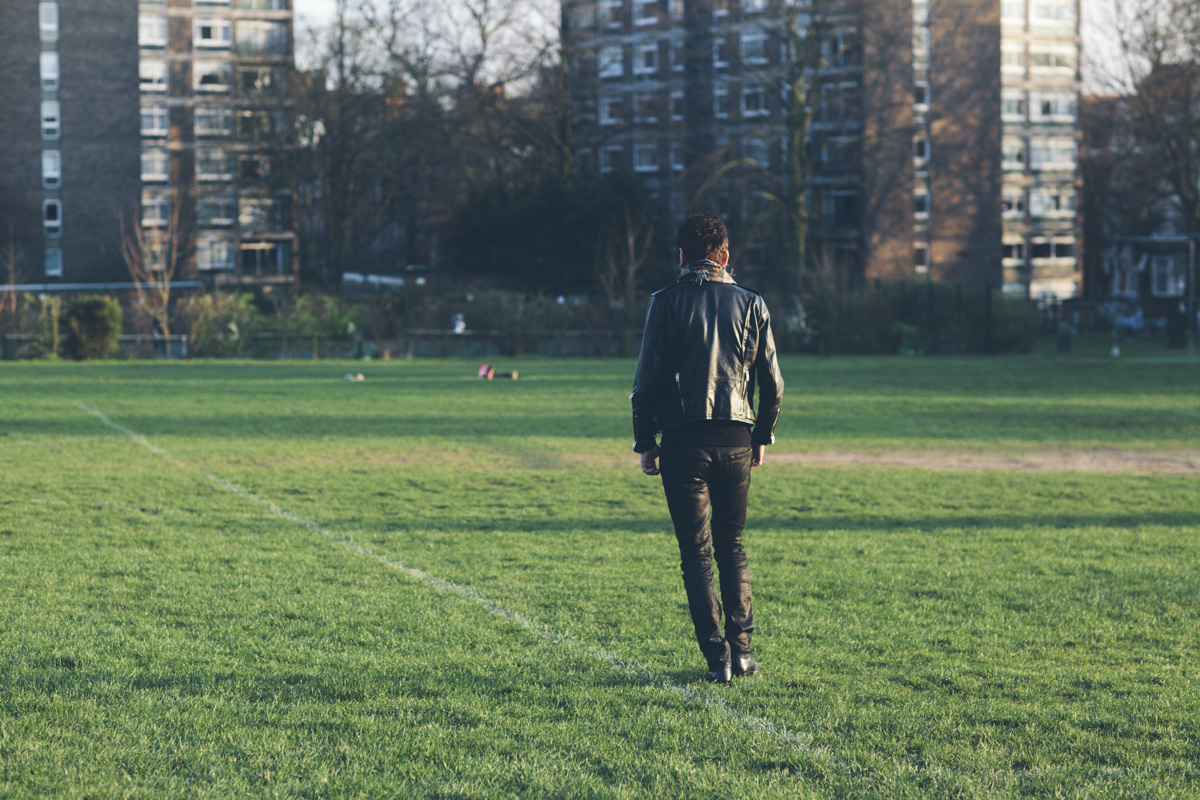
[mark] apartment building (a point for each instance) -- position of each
(156, 113)
(1040, 102)
(906, 136)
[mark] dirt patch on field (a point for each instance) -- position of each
(1051, 460)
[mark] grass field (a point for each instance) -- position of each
(425, 585)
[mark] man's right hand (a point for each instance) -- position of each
(756, 459)
(648, 461)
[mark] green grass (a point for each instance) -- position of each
(922, 633)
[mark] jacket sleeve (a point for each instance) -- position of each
(770, 381)
(648, 380)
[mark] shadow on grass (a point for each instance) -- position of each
(814, 524)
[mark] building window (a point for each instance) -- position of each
(611, 12)
(259, 5)
(49, 70)
(610, 63)
(721, 102)
(677, 55)
(261, 36)
(1012, 58)
(1014, 251)
(646, 62)
(214, 252)
(260, 79)
(48, 21)
(1012, 155)
(754, 102)
(646, 107)
(259, 126)
(645, 12)
(645, 158)
(1012, 203)
(51, 169)
(152, 30)
(1012, 12)
(53, 262)
(840, 206)
(1054, 13)
(1052, 154)
(1052, 202)
(720, 9)
(677, 106)
(678, 164)
(52, 217)
(154, 120)
(156, 210)
(217, 210)
(920, 44)
(921, 257)
(720, 52)
(1054, 107)
(675, 7)
(212, 76)
(1012, 106)
(213, 34)
(921, 204)
(920, 150)
(214, 121)
(155, 165)
(1167, 279)
(51, 126)
(612, 110)
(754, 47)
(1053, 60)
(213, 164)
(153, 73)
(610, 158)
(752, 6)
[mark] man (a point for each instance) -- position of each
(707, 344)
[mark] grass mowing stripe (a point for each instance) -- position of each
(631, 668)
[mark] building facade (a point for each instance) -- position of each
(1040, 107)
(164, 114)
(904, 116)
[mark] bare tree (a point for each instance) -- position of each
(843, 101)
(12, 258)
(624, 249)
(1157, 73)
(155, 257)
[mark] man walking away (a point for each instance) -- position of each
(706, 347)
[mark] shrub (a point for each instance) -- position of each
(219, 324)
(91, 327)
(1014, 324)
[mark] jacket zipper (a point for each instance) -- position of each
(679, 386)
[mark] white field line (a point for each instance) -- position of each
(642, 673)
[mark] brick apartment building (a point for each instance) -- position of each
(121, 110)
(911, 138)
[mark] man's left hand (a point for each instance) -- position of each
(649, 459)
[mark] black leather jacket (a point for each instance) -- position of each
(705, 347)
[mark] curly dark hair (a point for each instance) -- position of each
(702, 236)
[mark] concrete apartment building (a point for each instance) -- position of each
(151, 113)
(909, 137)
(1041, 88)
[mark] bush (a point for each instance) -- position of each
(91, 327)
(1014, 324)
(220, 324)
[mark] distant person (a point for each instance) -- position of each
(706, 346)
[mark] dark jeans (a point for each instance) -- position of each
(697, 481)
